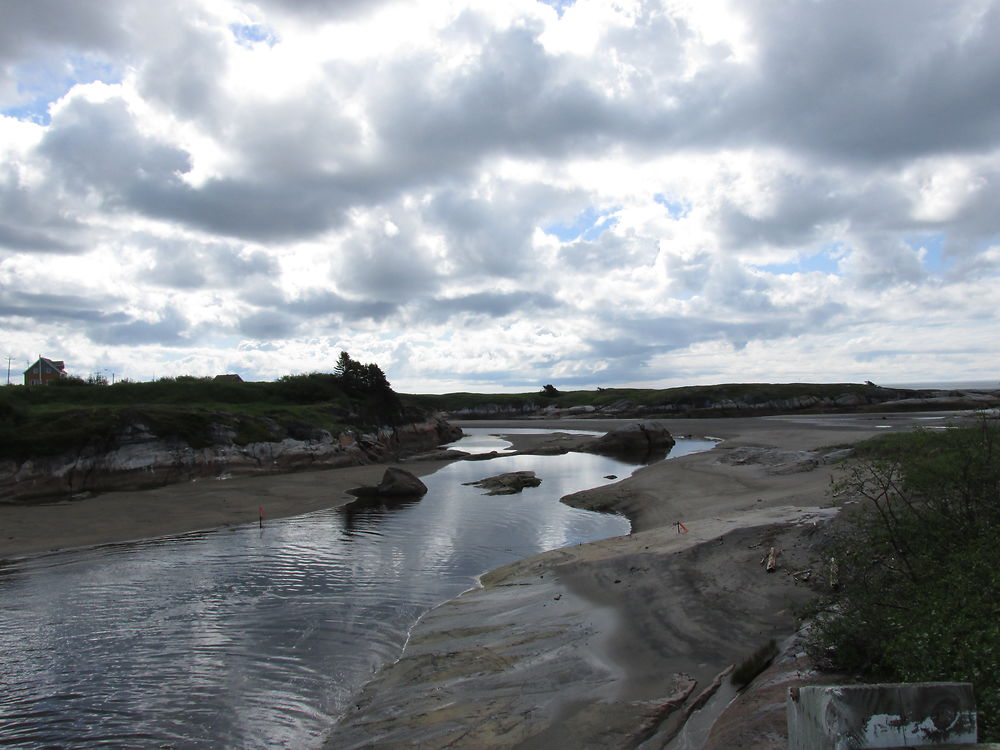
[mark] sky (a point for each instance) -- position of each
(485, 196)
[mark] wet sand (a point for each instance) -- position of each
(178, 508)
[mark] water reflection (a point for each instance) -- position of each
(258, 638)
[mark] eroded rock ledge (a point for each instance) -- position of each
(136, 458)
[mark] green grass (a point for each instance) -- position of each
(48, 420)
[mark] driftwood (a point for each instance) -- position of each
(772, 562)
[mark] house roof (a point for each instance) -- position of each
(48, 365)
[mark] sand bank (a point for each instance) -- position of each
(178, 508)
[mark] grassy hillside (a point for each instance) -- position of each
(50, 419)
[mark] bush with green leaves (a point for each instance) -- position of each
(919, 564)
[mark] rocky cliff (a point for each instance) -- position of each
(136, 458)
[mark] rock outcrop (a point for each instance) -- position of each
(396, 483)
(507, 484)
(136, 458)
(643, 441)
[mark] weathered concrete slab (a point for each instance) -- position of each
(845, 717)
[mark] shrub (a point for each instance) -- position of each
(920, 565)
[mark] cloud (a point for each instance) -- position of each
(40, 43)
(167, 330)
(503, 194)
(490, 305)
(187, 265)
(95, 146)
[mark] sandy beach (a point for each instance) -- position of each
(609, 644)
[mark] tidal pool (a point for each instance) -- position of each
(247, 637)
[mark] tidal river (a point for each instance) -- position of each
(246, 637)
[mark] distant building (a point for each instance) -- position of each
(229, 378)
(44, 371)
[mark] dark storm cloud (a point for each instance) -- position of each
(322, 10)
(31, 29)
(861, 80)
(183, 72)
(57, 308)
(30, 240)
(30, 223)
(637, 339)
(489, 236)
(489, 304)
(510, 99)
(386, 268)
(96, 316)
(167, 331)
(268, 325)
(183, 265)
(96, 146)
(325, 304)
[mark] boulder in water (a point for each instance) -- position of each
(507, 484)
(645, 440)
(395, 483)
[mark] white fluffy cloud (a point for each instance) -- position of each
(485, 195)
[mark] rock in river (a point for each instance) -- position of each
(395, 483)
(645, 440)
(507, 484)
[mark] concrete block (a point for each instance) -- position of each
(849, 717)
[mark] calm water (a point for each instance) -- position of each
(258, 638)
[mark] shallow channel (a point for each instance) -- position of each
(246, 637)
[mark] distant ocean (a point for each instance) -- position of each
(987, 385)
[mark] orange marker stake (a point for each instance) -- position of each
(262, 518)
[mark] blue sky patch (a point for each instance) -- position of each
(933, 260)
(588, 225)
(39, 85)
(559, 5)
(247, 35)
(676, 209)
(824, 261)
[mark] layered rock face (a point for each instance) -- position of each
(137, 458)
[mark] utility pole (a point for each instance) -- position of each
(9, 358)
